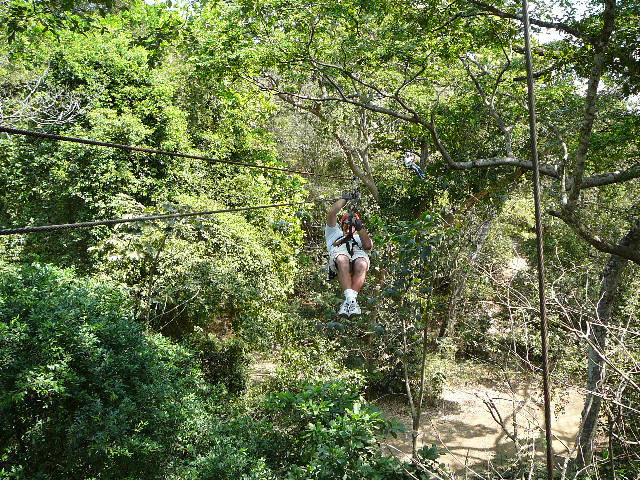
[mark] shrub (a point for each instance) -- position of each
(318, 361)
(326, 431)
(196, 272)
(84, 391)
(229, 454)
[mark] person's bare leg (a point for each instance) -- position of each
(343, 265)
(360, 267)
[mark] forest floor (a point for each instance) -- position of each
(469, 436)
(462, 426)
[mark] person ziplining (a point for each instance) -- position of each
(347, 245)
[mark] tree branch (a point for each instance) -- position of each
(345, 99)
(371, 86)
(612, 177)
(590, 104)
(409, 80)
(489, 103)
(541, 23)
(623, 249)
(548, 170)
(541, 73)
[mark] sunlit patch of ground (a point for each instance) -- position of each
(463, 427)
(261, 370)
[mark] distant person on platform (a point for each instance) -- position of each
(348, 245)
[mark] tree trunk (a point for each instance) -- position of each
(597, 343)
(459, 279)
(424, 153)
(418, 410)
(407, 384)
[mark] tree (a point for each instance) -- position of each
(353, 131)
(402, 77)
(424, 64)
(143, 83)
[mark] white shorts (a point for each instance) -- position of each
(342, 250)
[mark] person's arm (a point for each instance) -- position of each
(365, 239)
(367, 243)
(332, 213)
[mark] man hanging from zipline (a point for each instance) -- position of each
(348, 258)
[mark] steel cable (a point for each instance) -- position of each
(544, 330)
(51, 136)
(113, 221)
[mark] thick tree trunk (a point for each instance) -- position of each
(597, 343)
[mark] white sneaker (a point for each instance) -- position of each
(344, 309)
(353, 307)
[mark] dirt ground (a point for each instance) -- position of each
(469, 436)
(463, 428)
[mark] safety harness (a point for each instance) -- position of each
(349, 219)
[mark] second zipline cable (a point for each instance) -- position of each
(130, 148)
(169, 216)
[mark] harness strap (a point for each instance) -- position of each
(349, 240)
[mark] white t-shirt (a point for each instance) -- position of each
(331, 234)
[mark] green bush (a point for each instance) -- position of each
(84, 391)
(317, 362)
(229, 455)
(223, 360)
(325, 430)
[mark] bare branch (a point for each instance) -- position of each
(347, 99)
(612, 177)
(541, 73)
(625, 249)
(548, 170)
(564, 27)
(503, 70)
(371, 86)
(409, 80)
(497, 417)
(489, 103)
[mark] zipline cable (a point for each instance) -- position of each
(544, 331)
(113, 221)
(51, 136)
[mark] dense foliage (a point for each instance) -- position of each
(84, 390)
(126, 352)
